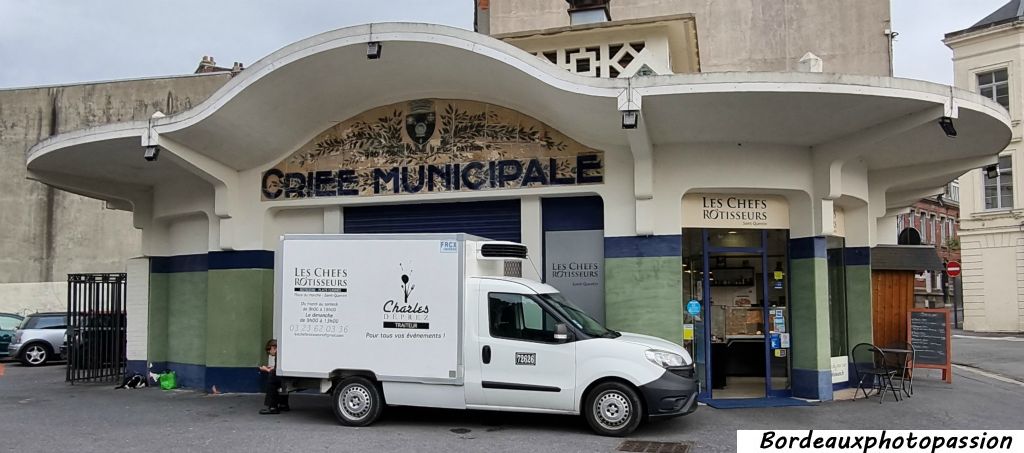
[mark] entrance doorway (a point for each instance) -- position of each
(740, 336)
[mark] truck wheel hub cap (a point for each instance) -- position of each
(612, 409)
(355, 401)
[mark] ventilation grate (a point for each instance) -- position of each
(503, 251)
(514, 269)
(649, 446)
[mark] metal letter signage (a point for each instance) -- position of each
(432, 145)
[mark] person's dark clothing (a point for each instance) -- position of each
(274, 398)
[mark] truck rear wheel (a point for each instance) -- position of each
(357, 401)
(613, 409)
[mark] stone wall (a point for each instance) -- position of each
(744, 35)
(48, 233)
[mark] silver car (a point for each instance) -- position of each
(39, 338)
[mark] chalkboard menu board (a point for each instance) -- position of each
(930, 335)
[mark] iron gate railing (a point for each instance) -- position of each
(97, 327)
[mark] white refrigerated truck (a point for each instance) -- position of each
(430, 320)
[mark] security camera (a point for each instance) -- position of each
(152, 152)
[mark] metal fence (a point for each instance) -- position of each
(97, 327)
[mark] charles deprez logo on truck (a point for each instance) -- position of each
(406, 315)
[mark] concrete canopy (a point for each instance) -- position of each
(283, 100)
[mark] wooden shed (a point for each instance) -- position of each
(892, 287)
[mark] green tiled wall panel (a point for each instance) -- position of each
(186, 317)
(157, 329)
(809, 310)
(858, 305)
(644, 295)
(235, 316)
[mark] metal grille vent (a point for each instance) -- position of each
(513, 268)
(660, 447)
(503, 251)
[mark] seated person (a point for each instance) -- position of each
(275, 402)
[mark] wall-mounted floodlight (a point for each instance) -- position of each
(630, 118)
(373, 50)
(992, 171)
(947, 126)
(152, 152)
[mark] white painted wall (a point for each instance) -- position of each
(678, 169)
(294, 221)
(187, 234)
(753, 169)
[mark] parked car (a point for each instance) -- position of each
(39, 338)
(96, 340)
(9, 323)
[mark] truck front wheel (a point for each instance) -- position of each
(357, 401)
(613, 409)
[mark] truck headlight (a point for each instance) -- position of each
(663, 359)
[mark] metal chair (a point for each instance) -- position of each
(904, 368)
(872, 368)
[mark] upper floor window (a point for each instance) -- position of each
(995, 85)
(999, 190)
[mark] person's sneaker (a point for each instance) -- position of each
(269, 411)
(284, 408)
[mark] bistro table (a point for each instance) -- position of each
(907, 353)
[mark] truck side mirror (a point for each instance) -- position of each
(561, 333)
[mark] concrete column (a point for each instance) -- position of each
(531, 235)
(859, 322)
(137, 306)
(809, 310)
(334, 219)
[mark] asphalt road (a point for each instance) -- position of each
(41, 412)
(999, 354)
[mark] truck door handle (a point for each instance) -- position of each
(486, 354)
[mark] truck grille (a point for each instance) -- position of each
(683, 371)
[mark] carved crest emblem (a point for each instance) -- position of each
(419, 123)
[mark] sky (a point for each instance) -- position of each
(46, 42)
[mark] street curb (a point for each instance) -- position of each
(990, 374)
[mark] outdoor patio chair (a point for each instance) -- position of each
(903, 363)
(872, 371)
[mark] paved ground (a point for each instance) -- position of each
(996, 353)
(41, 412)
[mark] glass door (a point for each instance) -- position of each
(745, 311)
(735, 290)
(694, 336)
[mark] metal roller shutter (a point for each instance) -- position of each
(498, 220)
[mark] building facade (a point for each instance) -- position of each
(987, 60)
(731, 212)
(934, 221)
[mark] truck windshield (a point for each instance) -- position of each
(576, 316)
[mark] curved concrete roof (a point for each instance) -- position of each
(283, 100)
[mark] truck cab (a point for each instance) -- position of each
(535, 351)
